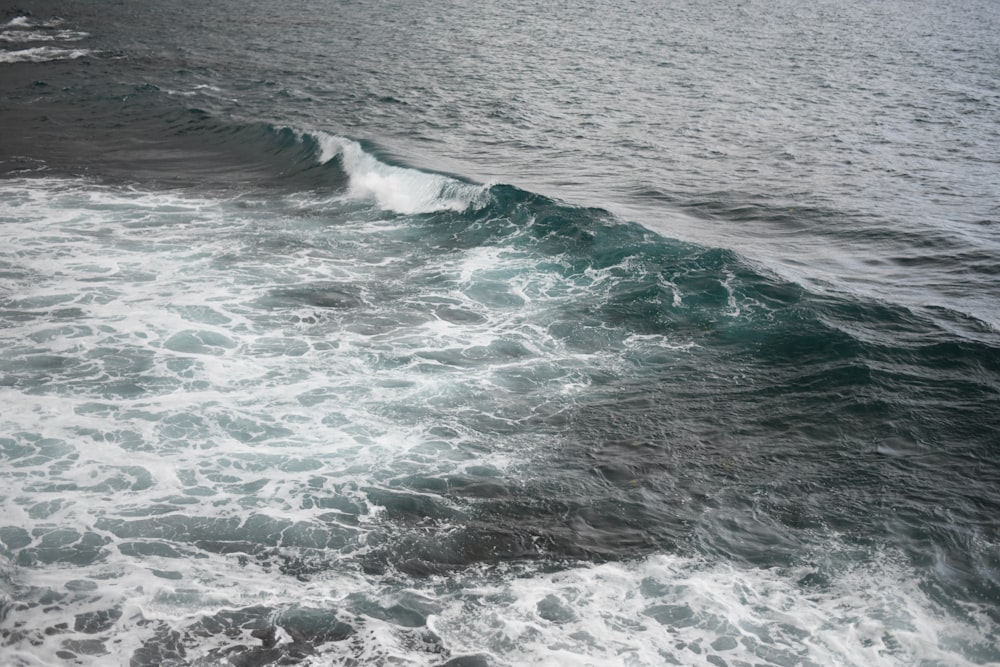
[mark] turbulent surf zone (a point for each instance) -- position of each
(328, 341)
(364, 413)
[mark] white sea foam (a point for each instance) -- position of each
(21, 36)
(398, 189)
(19, 31)
(18, 22)
(676, 610)
(41, 54)
(180, 373)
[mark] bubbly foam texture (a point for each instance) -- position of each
(398, 189)
(201, 388)
(674, 610)
(212, 406)
(20, 36)
(41, 54)
(18, 31)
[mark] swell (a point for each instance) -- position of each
(729, 381)
(778, 374)
(650, 285)
(192, 148)
(943, 268)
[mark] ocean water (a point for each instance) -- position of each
(630, 332)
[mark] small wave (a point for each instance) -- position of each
(21, 36)
(200, 90)
(398, 189)
(25, 23)
(41, 54)
(18, 22)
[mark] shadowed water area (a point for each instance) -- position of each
(620, 333)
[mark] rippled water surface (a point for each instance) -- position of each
(618, 333)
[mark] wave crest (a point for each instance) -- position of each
(398, 189)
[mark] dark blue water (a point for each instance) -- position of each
(626, 333)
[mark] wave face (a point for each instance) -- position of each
(315, 351)
(397, 189)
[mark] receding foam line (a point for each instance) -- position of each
(398, 189)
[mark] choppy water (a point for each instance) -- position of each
(632, 333)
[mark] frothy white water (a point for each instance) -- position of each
(21, 36)
(675, 610)
(18, 36)
(19, 31)
(41, 54)
(187, 379)
(398, 189)
(201, 377)
(18, 22)
(656, 611)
